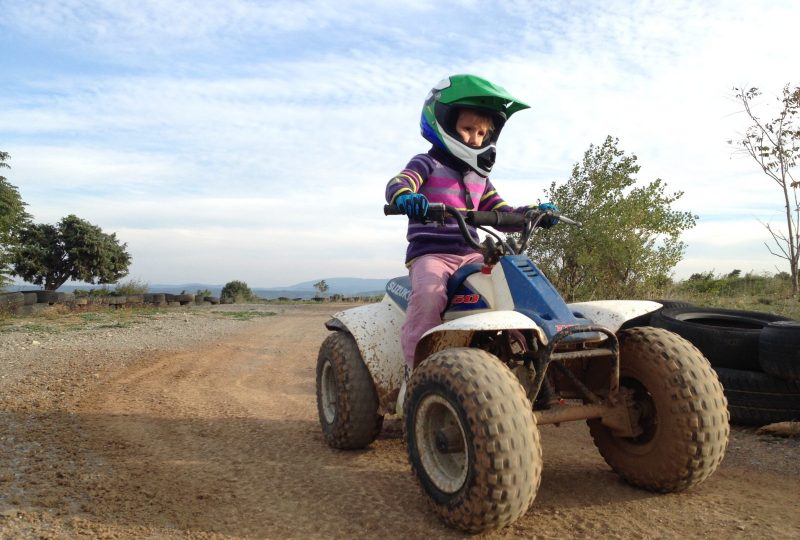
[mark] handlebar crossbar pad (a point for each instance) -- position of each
(496, 219)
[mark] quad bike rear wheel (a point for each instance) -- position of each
(346, 399)
(680, 410)
(472, 439)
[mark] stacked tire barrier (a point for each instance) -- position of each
(32, 302)
(756, 356)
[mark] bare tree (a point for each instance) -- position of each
(774, 145)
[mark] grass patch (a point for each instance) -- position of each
(33, 328)
(118, 324)
(244, 315)
(60, 322)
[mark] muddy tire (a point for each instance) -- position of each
(346, 399)
(472, 439)
(682, 413)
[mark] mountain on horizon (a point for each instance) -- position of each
(338, 285)
(346, 286)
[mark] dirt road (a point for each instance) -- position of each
(222, 441)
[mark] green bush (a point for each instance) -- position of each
(134, 286)
(753, 292)
(237, 291)
(102, 291)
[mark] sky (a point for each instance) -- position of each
(252, 140)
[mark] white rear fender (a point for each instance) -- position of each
(459, 332)
(376, 329)
(613, 313)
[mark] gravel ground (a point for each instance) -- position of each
(78, 347)
(202, 423)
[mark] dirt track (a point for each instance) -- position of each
(222, 441)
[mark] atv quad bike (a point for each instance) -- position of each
(510, 355)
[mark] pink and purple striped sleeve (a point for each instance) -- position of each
(410, 179)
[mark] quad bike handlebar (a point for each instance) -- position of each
(437, 212)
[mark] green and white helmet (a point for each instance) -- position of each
(443, 105)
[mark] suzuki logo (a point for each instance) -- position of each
(399, 290)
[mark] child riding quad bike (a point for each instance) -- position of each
(511, 355)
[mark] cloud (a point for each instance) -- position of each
(206, 126)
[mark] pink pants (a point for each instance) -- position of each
(429, 275)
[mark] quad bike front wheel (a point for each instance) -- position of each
(679, 409)
(346, 399)
(472, 439)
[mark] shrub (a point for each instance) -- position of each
(133, 286)
(237, 291)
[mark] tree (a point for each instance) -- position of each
(774, 146)
(74, 249)
(630, 237)
(321, 286)
(237, 291)
(12, 217)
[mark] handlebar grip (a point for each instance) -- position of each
(436, 212)
(496, 219)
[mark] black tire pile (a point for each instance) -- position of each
(756, 356)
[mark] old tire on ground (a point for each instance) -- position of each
(669, 304)
(472, 439)
(46, 297)
(682, 413)
(346, 399)
(755, 398)
(779, 349)
(727, 337)
(644, 320)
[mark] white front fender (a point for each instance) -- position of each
(459, 332)
(613, 313)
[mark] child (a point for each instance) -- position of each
(462, 117)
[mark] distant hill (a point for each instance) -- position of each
(342, 285)
(346, 286)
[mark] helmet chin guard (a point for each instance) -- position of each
(445, 102)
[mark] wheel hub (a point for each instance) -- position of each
(328, 393)
(442, 443)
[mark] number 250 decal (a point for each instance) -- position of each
(466, 298)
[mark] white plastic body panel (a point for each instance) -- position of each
(459, 332)
(613, 313)
(493, 289)
(376, 329)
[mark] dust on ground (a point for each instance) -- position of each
(216, 436)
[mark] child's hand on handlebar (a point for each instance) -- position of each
(548, 220)
(414, 205)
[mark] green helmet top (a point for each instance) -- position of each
(443, 105)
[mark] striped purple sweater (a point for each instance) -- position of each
(439, 178)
